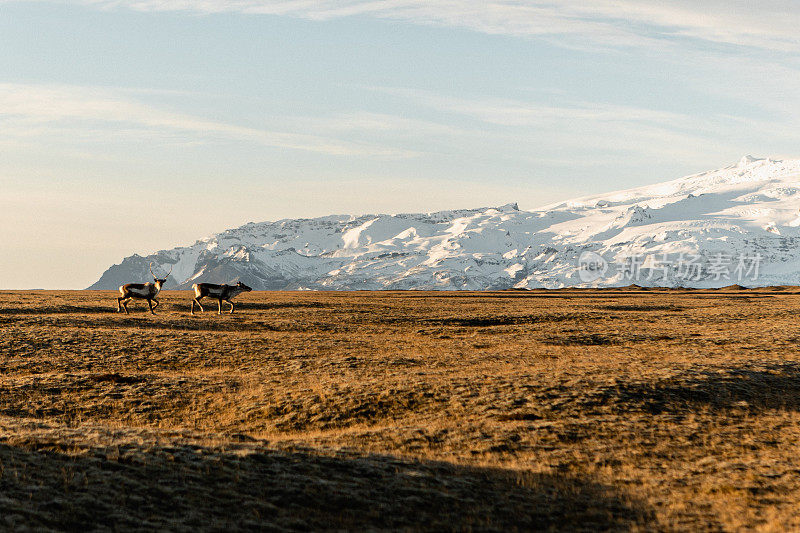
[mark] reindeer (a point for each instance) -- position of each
(220, 292)
(143, 291)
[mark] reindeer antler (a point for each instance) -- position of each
(156, 277)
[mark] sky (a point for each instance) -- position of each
(133, 126)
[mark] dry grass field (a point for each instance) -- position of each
(564, 410)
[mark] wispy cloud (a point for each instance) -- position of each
(453, 126)
(35, 111)
(583, 128)
(768, 24)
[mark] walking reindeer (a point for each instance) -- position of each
(142, 291)
(220, 292)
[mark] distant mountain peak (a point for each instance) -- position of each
(509, 207)
(749, 160)
(748, 210)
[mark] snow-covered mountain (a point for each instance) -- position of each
(739, 224)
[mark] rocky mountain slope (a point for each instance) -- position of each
(736, 225)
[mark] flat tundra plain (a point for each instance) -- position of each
(565, 410)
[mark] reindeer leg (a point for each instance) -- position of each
(119, 307)
(150, 303)
(230, 302)
(125, 304)
(219, 307)
(198, 303)
(157, 303)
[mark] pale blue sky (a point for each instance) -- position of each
(130, 126)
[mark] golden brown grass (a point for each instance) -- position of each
(565, 410)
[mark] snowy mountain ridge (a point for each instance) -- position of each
(739, 224)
